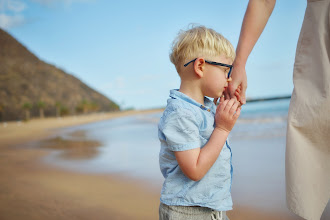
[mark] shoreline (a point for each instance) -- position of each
(13, 133)
(34, 190)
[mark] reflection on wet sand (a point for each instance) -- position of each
(31, 190)
(74, 146)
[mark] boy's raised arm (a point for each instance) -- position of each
(196, 163)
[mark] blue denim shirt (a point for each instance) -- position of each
(184, 125)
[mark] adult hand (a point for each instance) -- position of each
(238, 79)
(226, 96)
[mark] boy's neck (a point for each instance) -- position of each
(193, 91)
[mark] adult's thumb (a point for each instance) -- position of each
(232, 89)
(243, 94)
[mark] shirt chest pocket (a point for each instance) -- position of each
(205, 132)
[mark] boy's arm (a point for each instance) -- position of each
(196, 163)
(254, 22)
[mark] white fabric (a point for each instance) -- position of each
(308, 135)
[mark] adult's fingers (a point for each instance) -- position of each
(232, 86)
(239, 89)
(244, 87)
(237, 95)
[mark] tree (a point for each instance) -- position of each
(85, 105)
(58, 108)
(114, 107)
(94, 107)
(41, 105)
(27, 107)
(64, 110)
(2, 109)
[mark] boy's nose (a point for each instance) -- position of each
(229, 79)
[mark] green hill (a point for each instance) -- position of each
(27, 83)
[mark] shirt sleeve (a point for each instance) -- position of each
(181, 131)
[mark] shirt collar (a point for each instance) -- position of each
(176, 94)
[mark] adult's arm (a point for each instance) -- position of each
(254, 22)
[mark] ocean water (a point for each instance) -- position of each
(130, 147)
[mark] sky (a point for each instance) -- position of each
(121, 48)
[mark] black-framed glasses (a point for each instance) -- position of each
(214, 63)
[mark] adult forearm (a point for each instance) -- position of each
(254, 22)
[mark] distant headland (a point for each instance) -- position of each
(30, 87)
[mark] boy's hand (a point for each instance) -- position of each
(227, 113)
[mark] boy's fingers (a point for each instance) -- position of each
(215, 100)
(225, 92)
(234, 107)
(229, 104)
(227, 96)
(222, 99)
(223, 104)
(238, 112)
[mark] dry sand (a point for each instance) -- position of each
(29, 189)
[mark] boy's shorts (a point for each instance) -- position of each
(189, 213)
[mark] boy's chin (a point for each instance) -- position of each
(219, 95)
(216, 95)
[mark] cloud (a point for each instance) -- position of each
(10, 21)
(52, 3)
(12, 6)
(15, 6)
(11, 13)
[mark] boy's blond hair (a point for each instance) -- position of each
(199, 41)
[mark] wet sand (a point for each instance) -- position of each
(30, 189)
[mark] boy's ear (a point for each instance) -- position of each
(199, 66)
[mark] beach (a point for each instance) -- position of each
(44, 173)
(32, 190)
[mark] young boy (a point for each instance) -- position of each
(195, 157)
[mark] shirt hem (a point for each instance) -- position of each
(223, 209)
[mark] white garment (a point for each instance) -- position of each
(308, 135)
